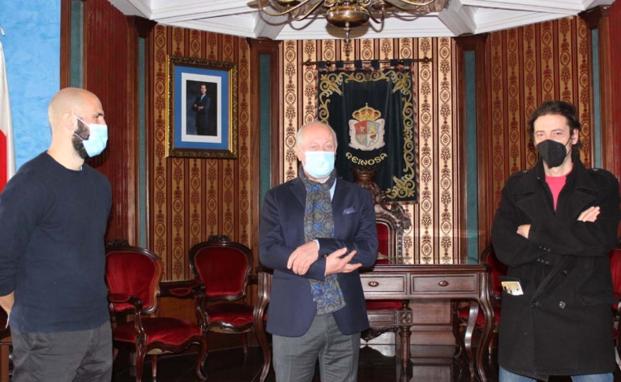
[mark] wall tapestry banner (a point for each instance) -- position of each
(372, 113)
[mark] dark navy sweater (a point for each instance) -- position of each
(52, 226)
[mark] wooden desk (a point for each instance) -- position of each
(409, 282)
(432, 282)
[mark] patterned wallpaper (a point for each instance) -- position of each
(528, 65)
(431, 240)
(191, 199)
(524, 66)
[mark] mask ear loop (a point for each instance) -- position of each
(570, 150)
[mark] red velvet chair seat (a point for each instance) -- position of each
(230, 314)
(384, 304)
(165, 330)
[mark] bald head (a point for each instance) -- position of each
(71, 101)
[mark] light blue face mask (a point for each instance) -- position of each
(97, 140)
(319, 164)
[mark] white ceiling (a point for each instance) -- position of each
(234, 17)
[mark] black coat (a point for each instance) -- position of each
(562, 325)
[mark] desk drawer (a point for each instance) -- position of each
(383, 284)
(448, 283)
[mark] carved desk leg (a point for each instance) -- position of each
(404, 321)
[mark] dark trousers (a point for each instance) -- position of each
(295, 357)
(75, 356)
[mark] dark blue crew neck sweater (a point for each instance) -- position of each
(52, 226)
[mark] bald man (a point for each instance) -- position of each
(53, 217)
(316, 232)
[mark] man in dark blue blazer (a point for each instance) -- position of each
(202, 107)
(316, 231)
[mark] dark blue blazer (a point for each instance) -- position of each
(292, 309)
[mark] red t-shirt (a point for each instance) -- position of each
(556, 184)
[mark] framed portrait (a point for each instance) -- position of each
(202, 117)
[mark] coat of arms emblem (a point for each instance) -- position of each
(366, 130)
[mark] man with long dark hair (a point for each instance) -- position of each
(554, 229)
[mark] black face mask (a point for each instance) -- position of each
(552, 152)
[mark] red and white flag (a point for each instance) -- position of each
(7, 154)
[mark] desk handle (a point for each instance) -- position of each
(373, 283)
(443, 283)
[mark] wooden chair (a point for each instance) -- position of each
(391, 222)
(223, 268)
(496, 270)
(133, 276)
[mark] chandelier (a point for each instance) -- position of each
(345, 14)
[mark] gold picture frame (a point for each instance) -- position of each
(202, 112)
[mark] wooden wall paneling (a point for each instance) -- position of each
(65, 43)
(486, 209)
(609, 24)
(109, 65)
(461, 170)
(607, 21)
(258, 48)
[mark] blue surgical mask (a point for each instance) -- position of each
(318, 164)
(97, 139)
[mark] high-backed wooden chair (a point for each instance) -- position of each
(133, 276)
(391, 222)
(224, 268)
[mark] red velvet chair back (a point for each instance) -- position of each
(133, 271)
(384, 240)
(615, 270)
(390, 223)
(222, 266)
